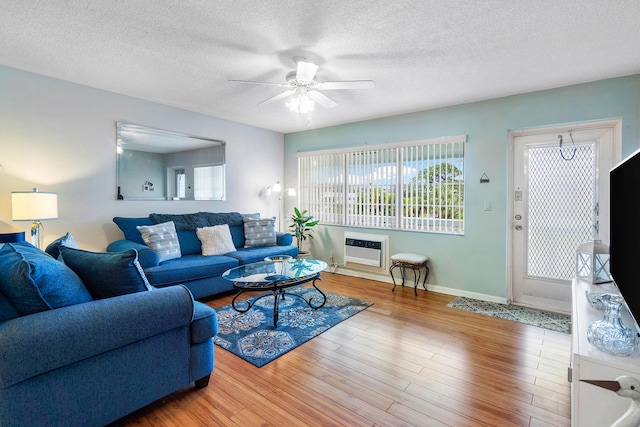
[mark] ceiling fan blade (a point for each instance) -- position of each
(322, 99)
(278, 97)
(306, 71)
(349, 84)
(260, 83)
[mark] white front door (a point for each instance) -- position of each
(559, 199)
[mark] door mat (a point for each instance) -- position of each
(251, 335)
(542, 319)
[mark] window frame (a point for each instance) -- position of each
(329, 197)
(210, 185)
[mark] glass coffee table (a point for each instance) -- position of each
(275, 275)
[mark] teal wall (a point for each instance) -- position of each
(477, 261)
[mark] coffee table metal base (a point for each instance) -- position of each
(278, 290)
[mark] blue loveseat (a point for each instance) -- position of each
(201, 274)
(68, 359)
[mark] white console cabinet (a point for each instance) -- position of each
(591, 405)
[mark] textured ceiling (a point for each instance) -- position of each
(421, 54)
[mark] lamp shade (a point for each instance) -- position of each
(34, 205)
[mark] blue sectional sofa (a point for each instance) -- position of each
(68, 358)
(201, 274)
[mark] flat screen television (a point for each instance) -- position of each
(624, 247)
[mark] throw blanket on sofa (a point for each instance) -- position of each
(189, 222)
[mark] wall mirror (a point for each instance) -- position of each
(155, 164)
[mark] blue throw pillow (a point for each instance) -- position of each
(54, 247)
(128, 226)
(107, 274)
(33, 281)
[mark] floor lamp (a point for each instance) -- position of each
(291, 192)
(277, 188)
(34, 206)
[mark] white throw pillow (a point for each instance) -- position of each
(216, 240)
(162, 238)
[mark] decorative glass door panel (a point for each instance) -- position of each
(562, 209)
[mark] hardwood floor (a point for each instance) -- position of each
(405, 361)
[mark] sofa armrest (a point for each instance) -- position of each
(283, 239)
(147, 257)
(205, 323)
(41, 342)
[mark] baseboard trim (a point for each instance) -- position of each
(435, 288)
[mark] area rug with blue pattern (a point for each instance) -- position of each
(251, 335)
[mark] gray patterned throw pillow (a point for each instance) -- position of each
(162, 238)
(259, 232)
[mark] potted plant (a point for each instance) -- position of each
(301, 227)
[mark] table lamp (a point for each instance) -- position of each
(34, 206)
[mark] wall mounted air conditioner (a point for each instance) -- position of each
(365, 249)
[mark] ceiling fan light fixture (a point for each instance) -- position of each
(301, 103)
(305, 90)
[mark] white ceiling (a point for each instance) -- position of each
(422, 54)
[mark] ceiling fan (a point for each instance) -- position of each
(302, 84)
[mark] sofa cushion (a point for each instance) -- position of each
(189, 242)
(33, 281)
(216, 240)
(259, 232)
(53, 248)
(162, 238)
(189, 267)
(129, 227)
(107, 274)
(237, 235)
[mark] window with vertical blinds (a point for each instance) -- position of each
(208, 182)
(416, 185)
